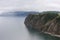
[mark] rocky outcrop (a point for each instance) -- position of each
(46, 22)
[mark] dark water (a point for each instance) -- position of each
(13, 28)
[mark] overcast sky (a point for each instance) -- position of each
(29, 5)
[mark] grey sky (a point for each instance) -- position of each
(29, 5)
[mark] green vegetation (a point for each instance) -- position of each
(45, 16)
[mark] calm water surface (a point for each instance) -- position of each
(13, 28)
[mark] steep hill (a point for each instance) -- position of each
(47, 22)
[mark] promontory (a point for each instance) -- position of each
(47, 22)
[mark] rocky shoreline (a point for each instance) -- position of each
(46, 22)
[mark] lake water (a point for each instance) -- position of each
(13, 28)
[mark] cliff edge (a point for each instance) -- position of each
(46, 22)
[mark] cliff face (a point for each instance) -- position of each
(46, 22)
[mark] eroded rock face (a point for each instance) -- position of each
(47, 22)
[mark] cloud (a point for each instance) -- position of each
(33, 5)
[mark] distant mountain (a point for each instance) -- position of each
(18, 13)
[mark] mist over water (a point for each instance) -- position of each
(13, 28)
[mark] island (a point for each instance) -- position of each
(47, 22)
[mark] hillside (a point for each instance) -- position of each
(47, 22)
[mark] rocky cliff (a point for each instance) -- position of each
(46, 22)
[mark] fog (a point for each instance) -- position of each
(29, 5)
